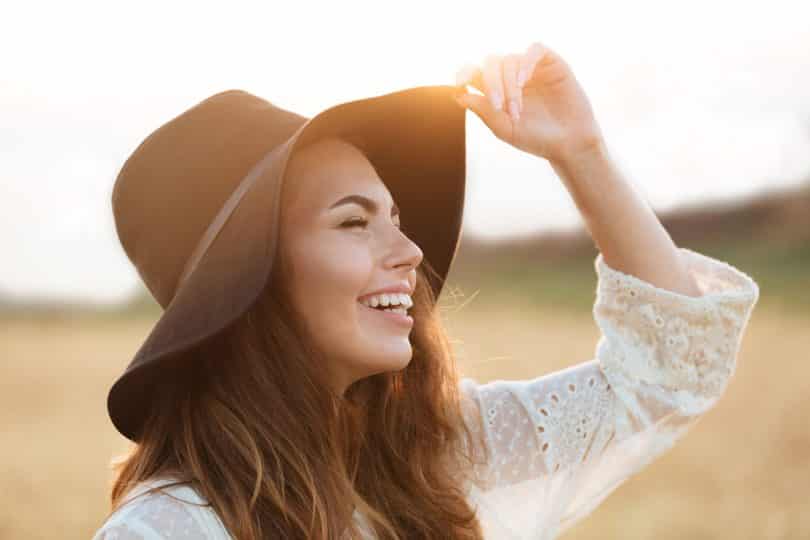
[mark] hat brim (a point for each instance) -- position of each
(416, 141)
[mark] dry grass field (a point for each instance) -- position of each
(742, 472)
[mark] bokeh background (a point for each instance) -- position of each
(706, 110)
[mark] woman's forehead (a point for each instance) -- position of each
(328, 170)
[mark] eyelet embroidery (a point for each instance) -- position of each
(676, 352)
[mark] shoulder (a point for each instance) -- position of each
(173, 511)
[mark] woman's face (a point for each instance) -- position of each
(340, 243)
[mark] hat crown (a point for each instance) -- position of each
(176, 181)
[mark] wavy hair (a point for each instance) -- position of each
(257, 431)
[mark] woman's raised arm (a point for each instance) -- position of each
(560, 443)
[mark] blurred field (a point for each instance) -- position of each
(742, 472)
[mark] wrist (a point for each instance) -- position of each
(586, 149)
(590, 176)
(587, 155)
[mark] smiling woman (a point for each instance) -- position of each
(314, 414)
(274, 399)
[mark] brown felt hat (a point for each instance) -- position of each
(196, 208)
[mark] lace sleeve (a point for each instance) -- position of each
(560, 443)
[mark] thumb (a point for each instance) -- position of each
(483, 108)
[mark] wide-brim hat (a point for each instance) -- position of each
(196, 208)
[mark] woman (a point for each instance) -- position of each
(290, 400)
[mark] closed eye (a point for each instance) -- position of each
(355, 222)
(359, 222)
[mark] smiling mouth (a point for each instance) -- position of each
(396, 314)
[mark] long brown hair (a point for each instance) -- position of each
(256, 430)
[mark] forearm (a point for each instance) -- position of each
(624, 227)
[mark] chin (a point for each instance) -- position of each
(391, 363)
(402, 364)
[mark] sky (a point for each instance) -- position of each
(699, 101)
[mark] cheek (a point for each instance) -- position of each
(328, 278)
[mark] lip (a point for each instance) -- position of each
(405, 321)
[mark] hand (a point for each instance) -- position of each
(533, 102)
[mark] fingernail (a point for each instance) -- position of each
(513, 109)
(496, 101)
(521, 77)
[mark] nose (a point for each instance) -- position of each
(404, 253)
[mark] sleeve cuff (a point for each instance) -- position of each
(678, 350)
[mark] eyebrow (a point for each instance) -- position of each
(365, 202)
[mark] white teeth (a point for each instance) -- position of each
(401, 300)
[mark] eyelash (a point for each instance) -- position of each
(355, 222)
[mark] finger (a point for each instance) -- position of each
(493, 81)
(482, 107)
(513, 91)
(523, 66)
(471, 75)
(535, 53)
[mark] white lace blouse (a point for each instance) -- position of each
(562, 442)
